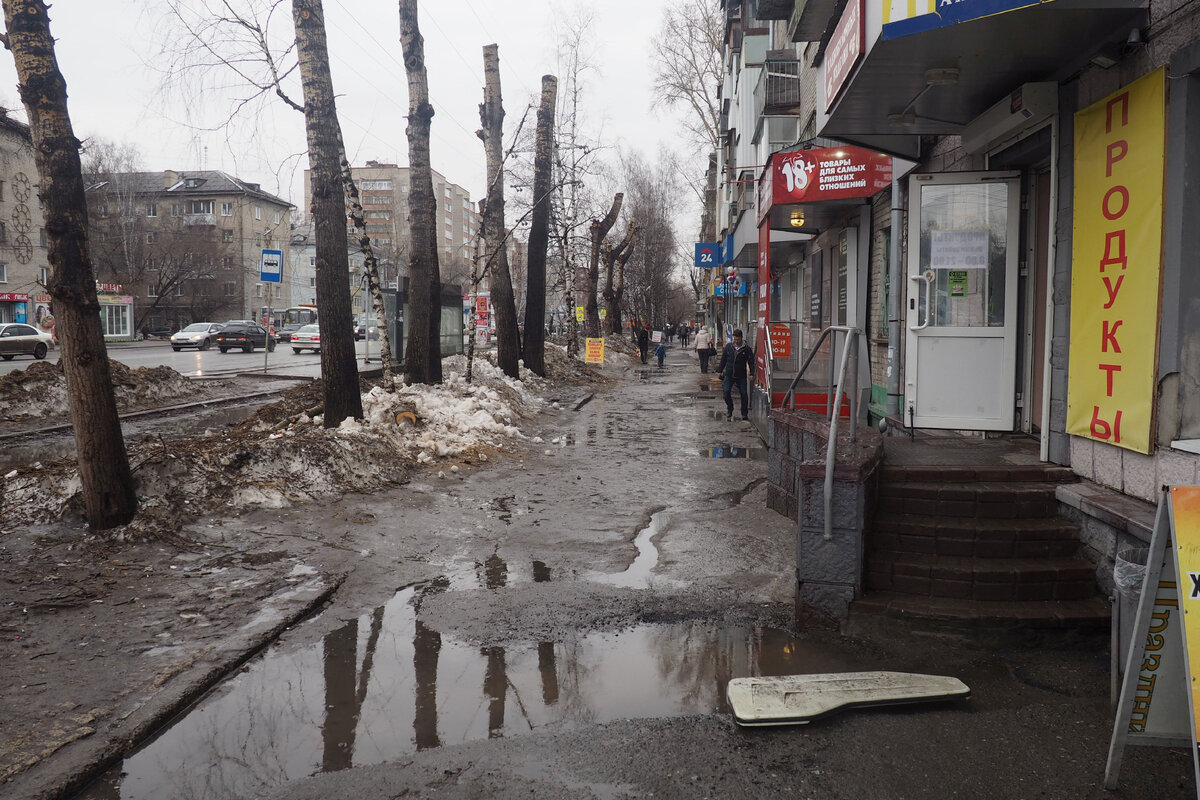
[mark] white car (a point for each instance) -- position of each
(199, 335)
(17, 338)
(307, 338)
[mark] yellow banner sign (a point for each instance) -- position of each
(1185, 512)
(594, 351)
(1116, 265)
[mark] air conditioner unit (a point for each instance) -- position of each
(1024, 108)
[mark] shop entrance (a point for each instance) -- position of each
(961, 312)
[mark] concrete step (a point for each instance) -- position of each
(958, 473)
(1093, 613)
(962, 578)
(981, 537)
(994, 499)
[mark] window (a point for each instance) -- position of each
(44, 276)
(226, 209)
(150, 237)
(227, 235)
(312, 261)
(202, 207)
(42, 237)
(152, 290)
(115, 320)
(449, 234)
(376, 186)
(312, 283)
(258, 290)
(230, 288)
(3, 273)
(278, 217)
(447, 206)
(176, 209)
(179, 290)
(258, 212)
(3, 232)
(1, 190)
(227, 262)
(447, 191)
(151, 209)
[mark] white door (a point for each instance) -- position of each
(961, 312)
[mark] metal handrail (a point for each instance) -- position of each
(833, 404)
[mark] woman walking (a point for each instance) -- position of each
(703, 347)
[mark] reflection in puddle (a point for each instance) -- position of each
(727, 451)
(386, 685)
(639, 573)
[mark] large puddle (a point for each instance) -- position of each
(385, 685)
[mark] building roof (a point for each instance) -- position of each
(193, 183)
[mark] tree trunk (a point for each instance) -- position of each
(599, 229)
(534, 342)
(107, 482)
(423, 355)
(495, 237)
(371, 266)
(339, 372)
(615, 260)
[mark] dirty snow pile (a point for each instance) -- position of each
(40, 390)
(263, 464)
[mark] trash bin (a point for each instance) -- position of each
(1129, 571)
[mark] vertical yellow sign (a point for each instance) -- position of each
(1117, 264)
(1185, 514)
(594, 351)
(579, 313)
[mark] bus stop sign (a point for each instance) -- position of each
(271, 266)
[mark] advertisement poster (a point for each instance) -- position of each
(1117, 265)
(594, 351)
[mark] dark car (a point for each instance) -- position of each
(244, 335)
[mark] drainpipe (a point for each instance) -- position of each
(895, 283)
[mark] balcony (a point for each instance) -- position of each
(778, 90)
(199, 219)
(810, 18)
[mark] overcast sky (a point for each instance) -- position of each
(109, 51)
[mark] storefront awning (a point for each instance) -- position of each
(933, 73)
(809, 189)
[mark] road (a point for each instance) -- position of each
(197, 363)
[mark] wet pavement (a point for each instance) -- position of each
(562, 620)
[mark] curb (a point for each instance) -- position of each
(78, 763)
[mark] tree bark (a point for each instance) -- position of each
(495, 236)
(534, 342)
(339, 372)
(613, 289)
(107, 481)
(371, 266)
(423, 355)
(598, 230)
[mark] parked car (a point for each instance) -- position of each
(285, 332)
(244, 335)
(199, 335)
(159, 332)
(366, 325)
(19, 339)
(308, 337)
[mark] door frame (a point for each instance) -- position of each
(1006, 419)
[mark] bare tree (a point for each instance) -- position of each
(107, 482)
(423, 357)
(534, 343)
(597, 231)
(491, 118)
(687, 67)
(615, 259)
(371, 268)
(651, 272)
(339, 373)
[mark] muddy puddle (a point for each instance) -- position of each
(385, 685)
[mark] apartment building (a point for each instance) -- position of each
(184, 246)
(24, 270)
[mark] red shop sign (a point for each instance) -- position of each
(829, 173)
(13, 297)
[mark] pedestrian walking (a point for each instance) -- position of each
(702, 344)
(683, 335)
(734, 370)
(660, 353)
(643, 341)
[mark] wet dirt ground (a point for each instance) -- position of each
(559, 621)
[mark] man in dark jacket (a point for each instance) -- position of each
(737, 361)
(643, 341)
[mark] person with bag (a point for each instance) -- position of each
(703, 347)
(735, 369)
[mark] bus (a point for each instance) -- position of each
(288, 320)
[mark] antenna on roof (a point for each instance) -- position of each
(204, 157)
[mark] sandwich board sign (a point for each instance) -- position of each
(1160, 693)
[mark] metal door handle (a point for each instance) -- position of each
(928, 279)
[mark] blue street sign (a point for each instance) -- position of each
(270, 268)
(707, 254)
